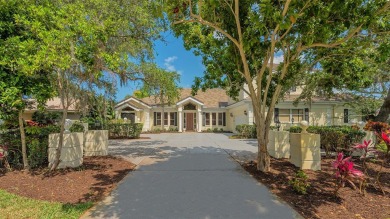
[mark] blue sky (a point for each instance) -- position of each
(171, 55)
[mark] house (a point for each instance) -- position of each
(52, 105)
(213, 109)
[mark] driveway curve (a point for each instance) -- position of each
(189, 175)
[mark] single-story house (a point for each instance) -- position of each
(52, 105)
(214, 109)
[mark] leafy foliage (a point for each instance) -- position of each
(247, 131)
(76, 127)
(121, 129)
(345, 171)
(299, 182)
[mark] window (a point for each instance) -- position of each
(293, 89)
(206, 119)
(165, 118)
(214, 118)
(291, 115)
(157, 118)
(346, 116)
(190, 106)
(222, 104)
(173, 119)
(222, 119)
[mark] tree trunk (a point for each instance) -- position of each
(61, 140)
(23, 139)
(263, 159)
(384, 111)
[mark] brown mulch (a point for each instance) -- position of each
(320, 200)
(96, 178)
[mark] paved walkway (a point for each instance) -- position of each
(189, 175)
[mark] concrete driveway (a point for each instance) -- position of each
(189, 175)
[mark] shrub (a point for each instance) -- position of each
(221, 130)
(46, 118)
(124, 130)
(295, 129)
(247, 131)
(345, 172)
(77, 127)
(215, 130)
(300, 182)
(36, 141)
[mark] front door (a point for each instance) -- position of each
(190, 121)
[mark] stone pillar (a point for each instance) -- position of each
(305, 150)
(180, 119)
(72, 149)
(200, 119)
(96, 143)
(279, 144)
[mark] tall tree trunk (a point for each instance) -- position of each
(61, 139)
(384, 111)
(23, 139)
(263, 159)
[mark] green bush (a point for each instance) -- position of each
(300, 182)
(124, 130)
(77, 127)
(295, 129)
(37, 140)
(247, 131)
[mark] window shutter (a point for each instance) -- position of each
(224, 119)
(307, 114)
(154, 119)
(346, 115)
(175, 119)
(276, 115)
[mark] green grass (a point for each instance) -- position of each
(13, 206)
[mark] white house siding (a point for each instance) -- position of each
(237, 117)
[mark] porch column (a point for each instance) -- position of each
(180, 119)
(200, 119)
(147, 120)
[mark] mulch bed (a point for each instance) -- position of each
(320, 200)
(96, 178)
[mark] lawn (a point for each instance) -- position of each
(13, 206)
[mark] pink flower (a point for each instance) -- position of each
(386, 138)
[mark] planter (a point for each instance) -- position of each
(96, 143)
(72, 149)
(279, 144)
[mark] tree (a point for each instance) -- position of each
(82, 43)
(239, 40)
(362, 78)
(19, 77)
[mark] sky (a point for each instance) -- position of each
(171, 55)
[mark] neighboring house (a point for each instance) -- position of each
(214, 109)
(52, 105)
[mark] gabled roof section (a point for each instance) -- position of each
(125, 105)
(135, 100)
(190, 99)
(210, 98)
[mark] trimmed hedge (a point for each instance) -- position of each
(334, 138)
(124, 130)
(247, 131)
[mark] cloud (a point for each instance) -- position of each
(278, 59)
(168, 63)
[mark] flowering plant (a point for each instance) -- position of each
(365, 147)
(345, 172)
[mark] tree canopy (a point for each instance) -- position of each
(239, 40)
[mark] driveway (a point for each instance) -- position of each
(189, 175)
